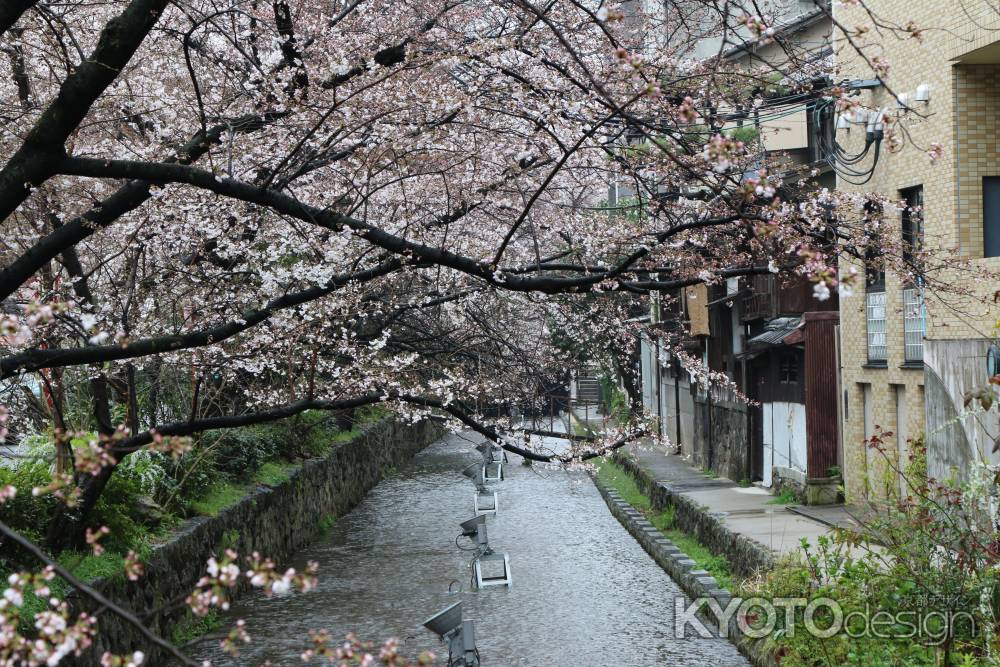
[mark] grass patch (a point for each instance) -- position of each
(612, 475)
(274, 473)
(326, 524)
(88, 567)
(346, 436)
(85, 566)
(715, 564)
(219, 497)
(190, 627)
(786, 497)
(581, 429)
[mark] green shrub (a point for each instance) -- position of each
(194, 474)
(239, 452)
(326, 524)
(119, 509)
(38, 447)
(151, 473)
(305, 435)
(190, 627)
(747, 134)
(617, 400)
(915, 561)
(26, 513)
(785, 497)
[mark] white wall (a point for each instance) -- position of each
(784, 438)
(646, 361)
(957, 436)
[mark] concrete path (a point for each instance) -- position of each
(748, 511)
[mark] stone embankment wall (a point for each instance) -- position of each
(747, 557)
(274, 521)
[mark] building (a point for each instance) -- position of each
(907, 350)
(775, 341)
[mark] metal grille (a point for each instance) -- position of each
(759, 302)
(875, 304)
(914, 323)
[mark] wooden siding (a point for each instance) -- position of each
(821, 392)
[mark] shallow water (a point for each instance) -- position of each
(585, 593)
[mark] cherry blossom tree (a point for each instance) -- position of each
(268, 207)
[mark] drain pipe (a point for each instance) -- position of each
(677, 400)
(659, 386)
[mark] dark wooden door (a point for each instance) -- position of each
(755, 383)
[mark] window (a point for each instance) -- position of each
(991, 216)
(913, 228)
(874, 259)
(788, 369)
(875, 310)
(914, 312)
(914, 325)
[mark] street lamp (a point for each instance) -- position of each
(460, 634)
(470, 526)
(490, 568)
(475, 473)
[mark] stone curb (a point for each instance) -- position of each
(747, 556)
(694, 582)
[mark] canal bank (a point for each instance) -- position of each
(584, 594)
(276, 521)
(696, 582)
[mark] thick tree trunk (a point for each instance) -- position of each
(625, 364)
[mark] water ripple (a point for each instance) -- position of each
(584, 594)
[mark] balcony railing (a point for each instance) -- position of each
(759, 302)
(875, 309)
(914, 324)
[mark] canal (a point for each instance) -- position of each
(584, 594)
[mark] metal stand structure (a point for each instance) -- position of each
(486, 501)
(488, 559)
(460, 635)
(493, 471)
(490, 568)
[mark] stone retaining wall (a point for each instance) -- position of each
(275, 521)
(719, 441)
(747, 557)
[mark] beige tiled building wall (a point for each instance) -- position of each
(959, 59)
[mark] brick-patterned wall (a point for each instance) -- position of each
(977, 93)
(962, 115)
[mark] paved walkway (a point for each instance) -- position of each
(749, 511)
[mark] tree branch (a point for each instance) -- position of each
(11, 10)
(127, 198)
(39, 358)
(95, 595)
(283, 203)
(38, 156)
